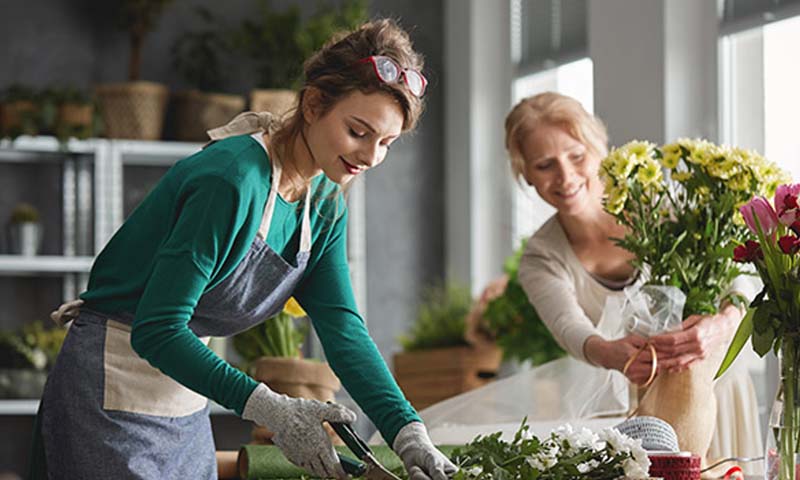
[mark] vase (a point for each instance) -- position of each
(25, 238)
(782, 443)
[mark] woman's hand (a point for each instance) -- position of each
(701, 336)
(477, 332)
(615, 354)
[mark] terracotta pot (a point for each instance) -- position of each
(430, 376)
(277, 102)
(297, 378)
(19, 117)
(133, 110)
(196, 112)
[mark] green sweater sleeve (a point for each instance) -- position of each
(326, 295)
(184, 264)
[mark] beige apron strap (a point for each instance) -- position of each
(67, 312)
(242, 124)
(305, 232)
(266, 218)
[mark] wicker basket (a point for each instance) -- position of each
(196, 112)
(277, 102)
(133, 110)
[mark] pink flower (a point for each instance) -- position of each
(759, 207)
(749, 252)
(789, 244)
(786, 203)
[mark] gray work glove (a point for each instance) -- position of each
(423, 461)
(297, 427)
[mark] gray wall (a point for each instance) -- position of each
(59, 42)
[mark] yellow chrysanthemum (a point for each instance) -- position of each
(739, 183)
(624, 166)
(293, 308)
(671, 155)
(681, 176)
(615, 201)
(649, 174)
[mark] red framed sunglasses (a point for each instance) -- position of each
(388, 71)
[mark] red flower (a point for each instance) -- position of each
(749, 252)
(795, 227)
(789, 244)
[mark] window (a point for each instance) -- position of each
(573, 79)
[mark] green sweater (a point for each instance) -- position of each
(191, 232)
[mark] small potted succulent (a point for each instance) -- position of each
(26, 355)
(20, 113)
(25, 230)
(271, 352)
(437, 362)
(197, 56)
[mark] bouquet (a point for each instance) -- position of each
(773, 318)
(680, 204)
(566, 454)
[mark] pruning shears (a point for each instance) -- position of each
(369, 467)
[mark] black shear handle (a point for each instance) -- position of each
(351, 439)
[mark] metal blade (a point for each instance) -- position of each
(376, 471)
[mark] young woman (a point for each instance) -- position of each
(224, 239)
(570, 266)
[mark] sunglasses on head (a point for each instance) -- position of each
(388, 71)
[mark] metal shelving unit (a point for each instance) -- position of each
(93, 191)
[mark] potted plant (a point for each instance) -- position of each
(25, 230)
(25, 357)
(135, 109)
(271, 352)
(278, 42)
(20, 113)
(74, 114)
(437, 362)
(196, 56)
(511, 321)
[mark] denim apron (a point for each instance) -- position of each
(106, 413)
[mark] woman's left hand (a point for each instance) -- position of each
(701, 336)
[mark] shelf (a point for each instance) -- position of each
(152, 153)
(31, 406)
(38, 264)
(22, 147)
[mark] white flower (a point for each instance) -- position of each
(588, 466)
(474, 470)
(616, 440)
(633, 469)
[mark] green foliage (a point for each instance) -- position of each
(278, 336)
(20, 93)
(196, 55)
(515, 324)
(24, 212)
(33, 346)
(680, 203)
(280, 41)
(526, 457)
(440, 320)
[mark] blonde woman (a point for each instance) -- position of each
(570, 266)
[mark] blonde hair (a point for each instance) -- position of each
(554, 109)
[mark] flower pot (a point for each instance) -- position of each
(295, 377)
(22, 382)
(133, 110)
(277, 102)
(25, 238)
(196, 112)
(19, 117)
(430, 376)
(74, 120)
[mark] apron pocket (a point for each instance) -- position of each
(133, 385)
